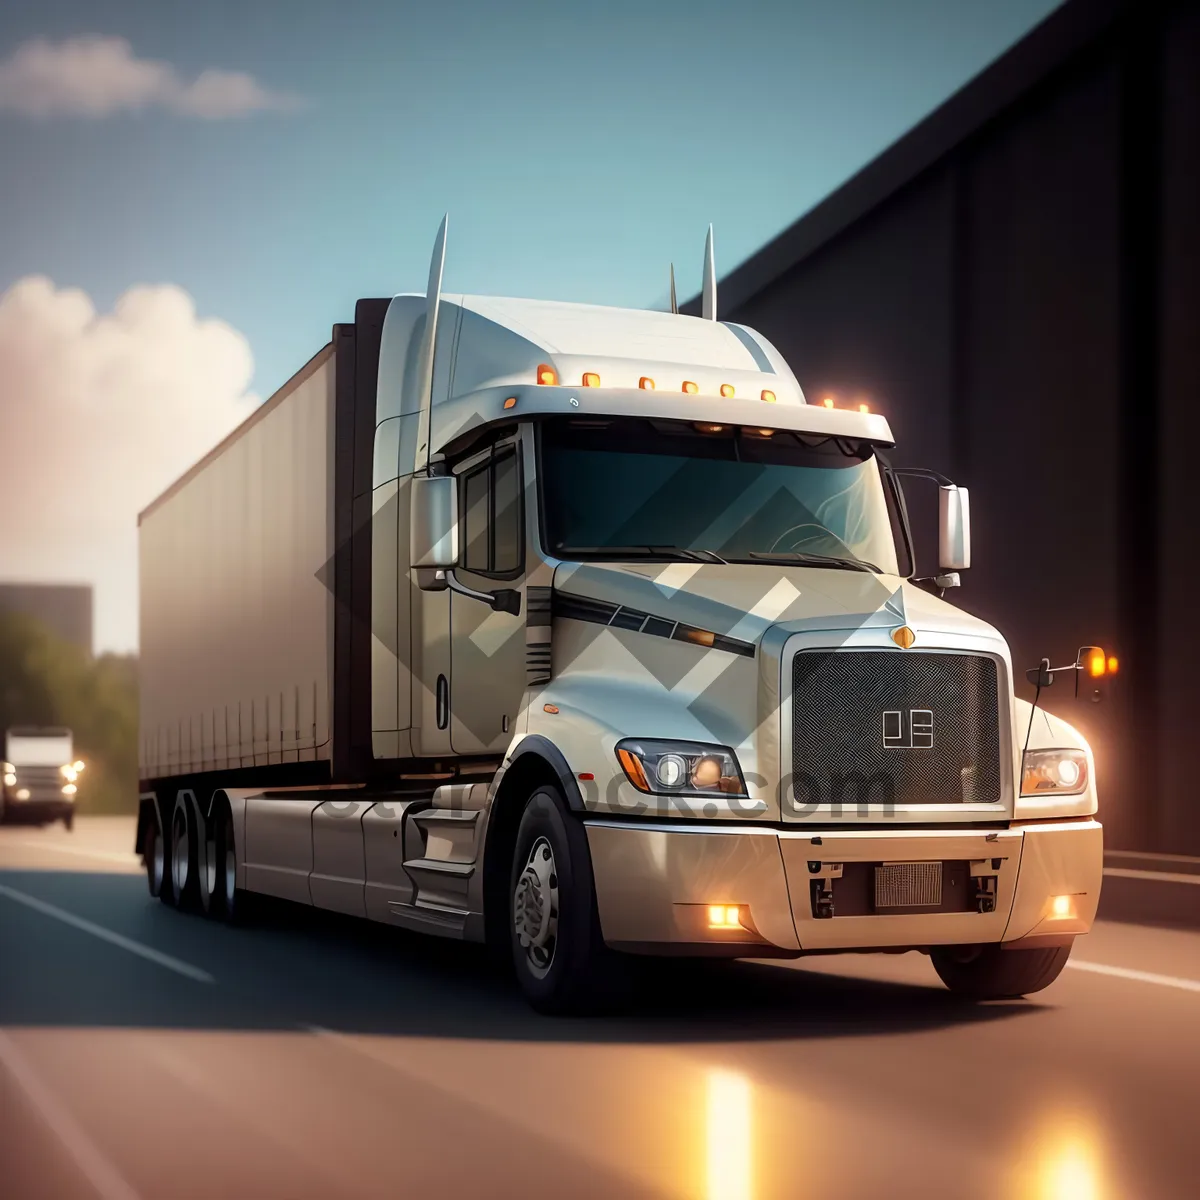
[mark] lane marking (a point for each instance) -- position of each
(1184, 985)
(1160, 876)
(109, 1183)
(103, 855)
(108, 935)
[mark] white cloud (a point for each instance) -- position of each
(98, 414)
(95, 76)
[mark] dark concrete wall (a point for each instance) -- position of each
(65, 608)
(1027, 314)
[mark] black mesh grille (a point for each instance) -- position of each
(894, 726)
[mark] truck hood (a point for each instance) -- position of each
(743, 601)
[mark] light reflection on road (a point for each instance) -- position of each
(730, 1140)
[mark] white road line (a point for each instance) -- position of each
(109, 1183)
(107, 935)
(103, 855)
(1159, 876)
(1173, 981)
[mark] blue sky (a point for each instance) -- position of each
(579, 148)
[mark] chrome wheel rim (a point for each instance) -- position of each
(155, 857)
(230, 874)
(210, 865)
(535, 908)
(180, 864)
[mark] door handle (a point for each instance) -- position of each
(443, 702)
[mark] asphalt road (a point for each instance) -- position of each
(148, 1053)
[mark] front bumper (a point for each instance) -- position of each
(654, 884)
(36, 809)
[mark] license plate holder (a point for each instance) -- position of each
(908, 885)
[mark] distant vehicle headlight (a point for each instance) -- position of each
(78, 764)
(1054, 772)
(70, 774)
(69, 789)
(23, 794)
(9, 778)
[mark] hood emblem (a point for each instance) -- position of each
(903, 637)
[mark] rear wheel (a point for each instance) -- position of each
(229, 902)
(154, 853)
(993, 973)
(185, 855)
(558, 953)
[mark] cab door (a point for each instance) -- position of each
(487, 648)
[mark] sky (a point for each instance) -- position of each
(193, 194)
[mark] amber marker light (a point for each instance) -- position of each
(511, 402)
(1096, 664)
(1062, 906)
(690, 388)
(727, 390)
(1112, 664)
(768, 396)
(827, 402)
(632, 766)
(547, 374)
(591, 379)
(552, 709)
(724, 916)
(704, 427)
(646, 383)
(864, 408)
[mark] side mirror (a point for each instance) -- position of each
(1094, 667)
(433, 523)
(954, 528)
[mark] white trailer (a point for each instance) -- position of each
(579, 631)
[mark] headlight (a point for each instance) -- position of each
(68, 789)
(664, 768)
(1054, 772)
(9, 778)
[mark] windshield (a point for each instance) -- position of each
(636, 488)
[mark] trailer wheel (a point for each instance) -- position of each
(230, 903)
(185, 855)
(557, 949)
(992, 973)
(154, 854)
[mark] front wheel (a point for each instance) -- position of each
(993, 973)
(557, 949)
(69, 822)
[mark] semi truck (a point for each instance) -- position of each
(578, 631)
(40, 776)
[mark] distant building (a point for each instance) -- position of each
(1015, 285)
(66, 608)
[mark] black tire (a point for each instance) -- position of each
(185, 855)
(69, 822)
(992, 973)
(154, 856)
(229, 903)
(570, 978)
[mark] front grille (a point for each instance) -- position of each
(894, 727)
(42, 782)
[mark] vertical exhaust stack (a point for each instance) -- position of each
(433, 295)
(674, 302)
(708, 308)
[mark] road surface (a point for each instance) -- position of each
(148, 1053)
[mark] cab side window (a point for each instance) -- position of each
(492, 515)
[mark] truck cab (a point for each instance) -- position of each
(40, 776)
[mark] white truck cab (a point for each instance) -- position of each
(579, 630)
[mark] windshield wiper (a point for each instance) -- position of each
(823, 560)
(709, 556)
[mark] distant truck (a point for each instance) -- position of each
(40, 776)
(578, 631)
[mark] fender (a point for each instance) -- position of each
(535, 743)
